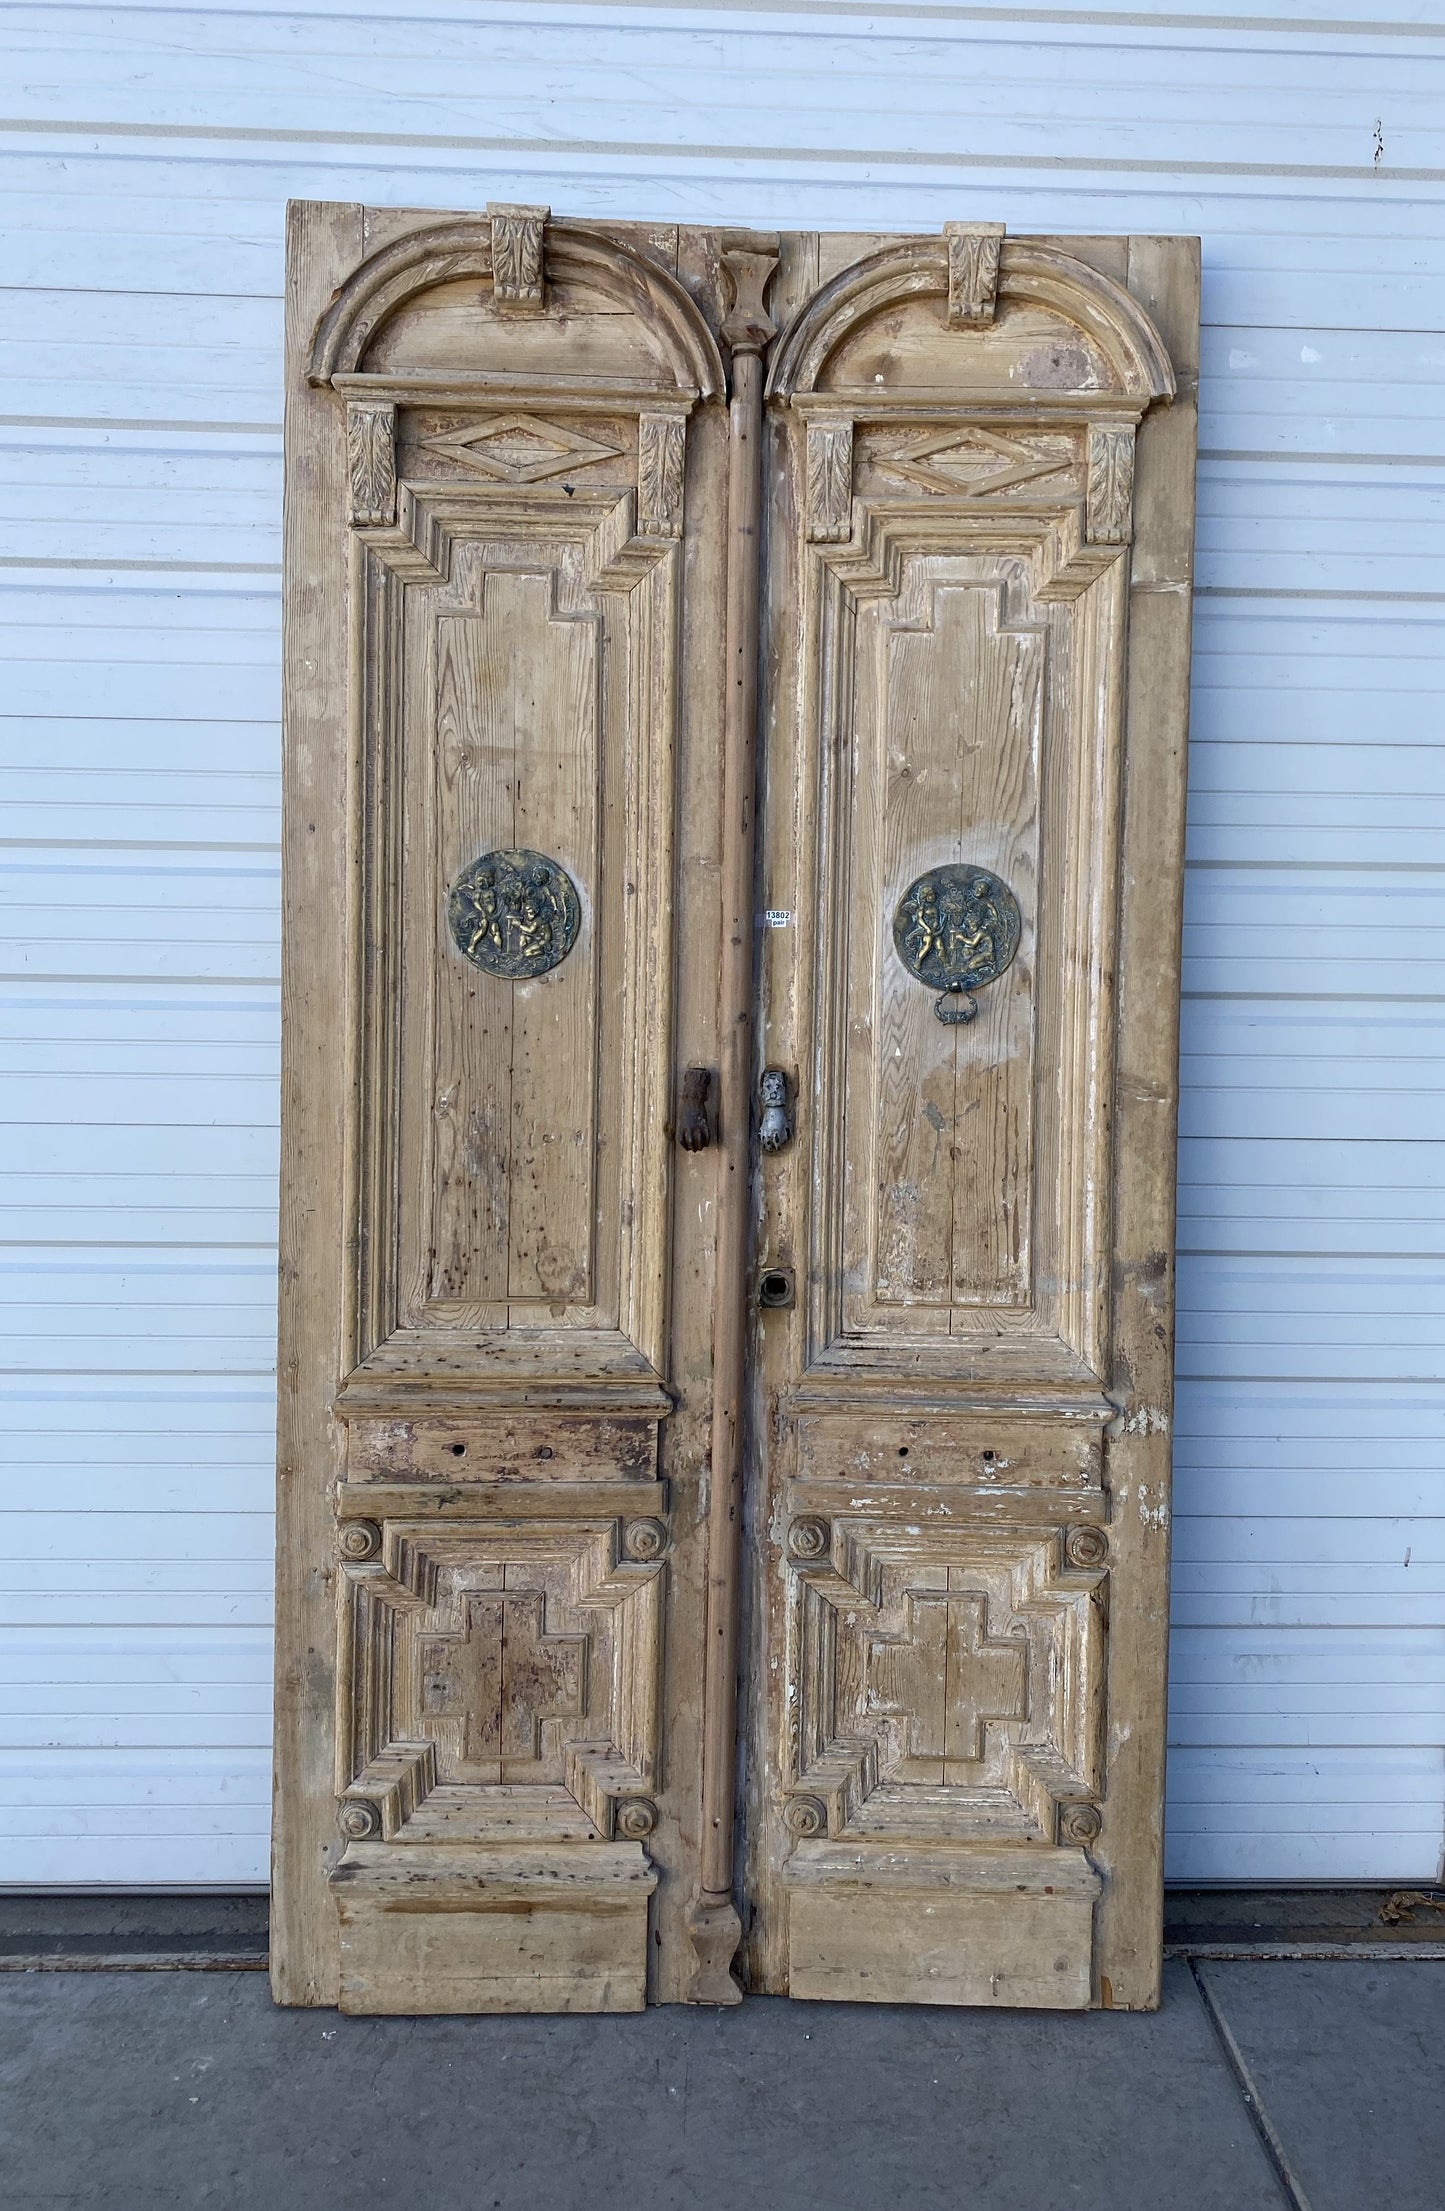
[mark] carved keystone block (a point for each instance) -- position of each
(517, 255)
(973, 258)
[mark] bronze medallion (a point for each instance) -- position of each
(956, 929)
(515, 914)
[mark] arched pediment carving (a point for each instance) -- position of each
(1030, 275)
(398, 274)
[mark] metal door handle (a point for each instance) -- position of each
(775, 1127)
(694, 1113)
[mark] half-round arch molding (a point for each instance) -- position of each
(399, 273)
(1031, 274)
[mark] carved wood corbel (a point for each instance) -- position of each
(830, 482)
(371, 462)
(1109, 484)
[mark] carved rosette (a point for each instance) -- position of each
(371, 462)
(634, 1819)
(644, 1540)
(661, 443)
(1081, 1824)
(358, 1539)
(805, 1817)
(358, 1820)
(1086, 1548)
(809, 1539)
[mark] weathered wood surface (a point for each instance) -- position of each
(949, 618)
(539, 1441)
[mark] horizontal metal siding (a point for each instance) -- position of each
(147, 157)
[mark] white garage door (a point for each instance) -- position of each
(147, 156)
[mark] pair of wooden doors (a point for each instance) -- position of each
(735, 756)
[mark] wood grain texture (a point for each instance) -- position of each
(588, 1476)
(966, 1930)
(954, 685)
(748, 264)
(497, 1931)
(494, 1316)
(315, 1233)
(1165, 275)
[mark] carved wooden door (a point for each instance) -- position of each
(728, 1126)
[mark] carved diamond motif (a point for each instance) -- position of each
(979, 462)
(519, 450)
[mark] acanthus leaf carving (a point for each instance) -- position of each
(517, 233)
(661, 452)
(371, 462)
(830, 482)
(1109, 498)
(974, 250)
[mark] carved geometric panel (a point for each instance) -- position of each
(489, 1688)
(502, 1680)
(982, 463)
(520, 449)
(947, 1685)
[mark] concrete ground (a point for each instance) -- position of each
(1258, 2085)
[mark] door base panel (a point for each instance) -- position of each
(493, 1931)
(1006, 1928)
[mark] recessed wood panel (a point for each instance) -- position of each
(513, 1089)
(966, 689)
(519, 696)
(948, 771)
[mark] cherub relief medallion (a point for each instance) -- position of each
(956, 929)
(515, 914)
